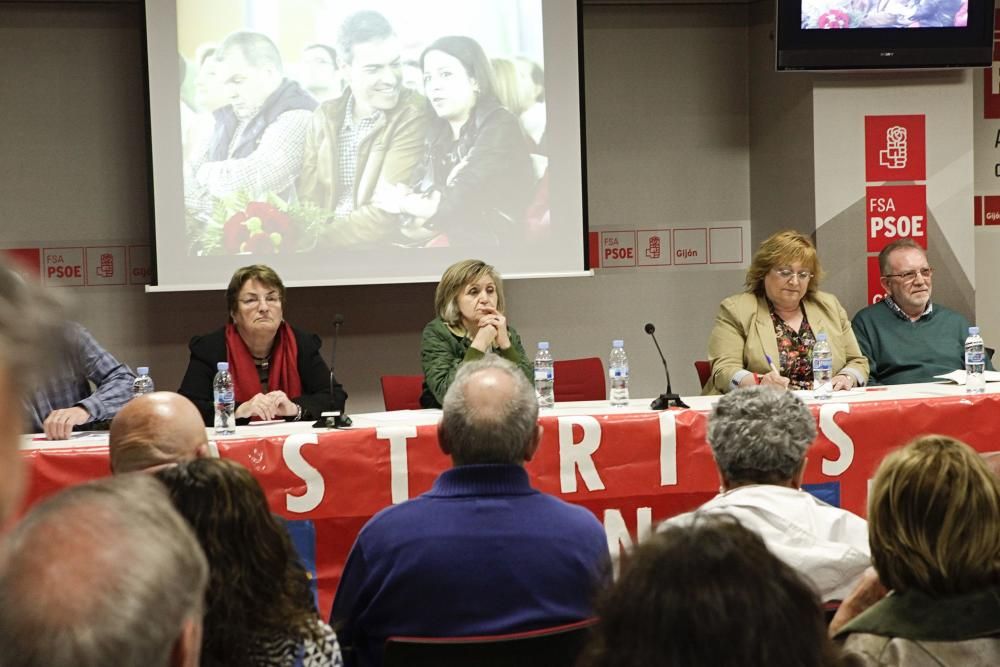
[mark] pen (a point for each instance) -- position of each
(771, 364)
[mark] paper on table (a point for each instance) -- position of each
(958, 377)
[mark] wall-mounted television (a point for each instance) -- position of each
(883, 34)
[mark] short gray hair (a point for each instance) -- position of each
(899, 244)
(105, 573)
(257, 48)
(760, 435)
(495, 431)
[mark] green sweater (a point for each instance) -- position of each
(901, 351)
(442, 351)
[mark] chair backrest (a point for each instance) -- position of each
(550, 647)
(704, 369)
(402, 392)
(579, 380)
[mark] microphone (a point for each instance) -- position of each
(335, 418)
(665, 400)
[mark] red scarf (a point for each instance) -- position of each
(284, 368)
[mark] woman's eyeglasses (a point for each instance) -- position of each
(786, 274)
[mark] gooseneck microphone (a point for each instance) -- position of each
(335, 418)
(665, 400)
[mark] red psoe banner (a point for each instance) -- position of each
(895, 148)
(875, 291)
(894, 212)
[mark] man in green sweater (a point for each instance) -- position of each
(906, 337)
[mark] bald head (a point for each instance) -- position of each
(490, 414)
(155, 430)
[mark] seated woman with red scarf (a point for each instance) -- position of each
(277, 370)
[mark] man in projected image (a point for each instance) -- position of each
(374, 134)
(256, 146)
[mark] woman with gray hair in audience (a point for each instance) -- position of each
(934, 521)
(759, 438)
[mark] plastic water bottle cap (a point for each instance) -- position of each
(223, 365)
(821, 336)
(543, 345)
(973, 331)
(143, 370)
(617, 343)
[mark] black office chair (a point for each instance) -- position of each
(549, 647)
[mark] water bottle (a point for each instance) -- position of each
(544, 376)
(225, 400)
(618, 375)
(975, 360)
(143, 384)
(822, 368)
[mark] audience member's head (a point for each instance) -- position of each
(32, 335)
(934, 519)
(709, 593)
(252, 70)
(320, 71)
(155, 430)
(760, 435)
(105, 573)
(514, 93)
(533, 72)
(490, 414)
(257, 585)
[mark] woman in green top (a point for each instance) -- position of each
(471, 322)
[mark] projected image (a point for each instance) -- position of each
(315, 125)
(827, 14)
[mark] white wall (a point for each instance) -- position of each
(667, 141)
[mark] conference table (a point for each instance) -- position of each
(630, 466)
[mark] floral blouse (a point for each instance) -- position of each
(794, 351)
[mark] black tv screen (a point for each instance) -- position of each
(883, 34)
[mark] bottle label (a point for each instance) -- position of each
(541, 374)
(224, 396)
(976, 357)
(822, 365)
(617, 373)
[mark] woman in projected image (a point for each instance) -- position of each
(470, 322)
(477, 177)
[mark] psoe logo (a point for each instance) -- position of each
(893, 156)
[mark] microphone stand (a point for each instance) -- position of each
(669, 398)
(335, 418)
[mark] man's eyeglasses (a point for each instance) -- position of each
(786, 274)
(910, 276)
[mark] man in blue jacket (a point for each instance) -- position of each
(482, 552)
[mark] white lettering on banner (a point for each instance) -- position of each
(399, 467)
(575, 456)
(828, 427)
(668, 449)
(903, 226)
(617, 532)
(291, 452)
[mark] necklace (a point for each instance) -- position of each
(263, 362)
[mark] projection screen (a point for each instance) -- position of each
(364, 141)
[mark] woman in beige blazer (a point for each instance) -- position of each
(765, 334)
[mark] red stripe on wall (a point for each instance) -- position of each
(594, 250)
(977, 216)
